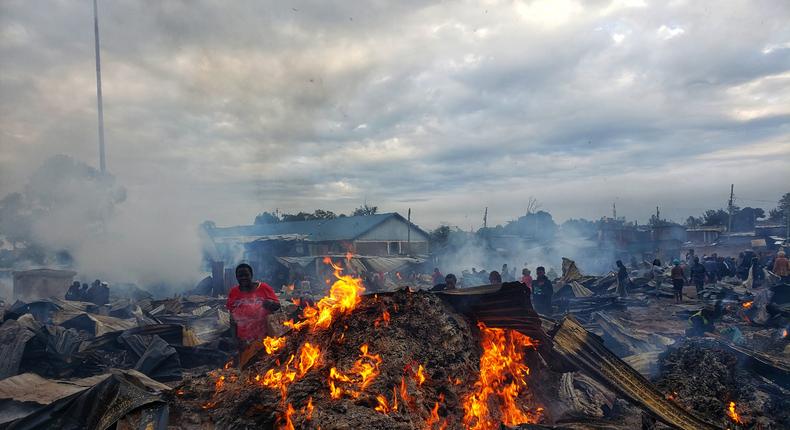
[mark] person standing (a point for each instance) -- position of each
(697, 274)
(437, 276)
(782, 266)
(250, 303)
(526, 278)
(622, 279)
(657, 273)
(678, 280)
(542, 290)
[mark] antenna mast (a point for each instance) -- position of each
(102, 165)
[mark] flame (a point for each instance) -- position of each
(362, 373)
(368, 371)
(382, 404)
(308, 358)
(503, 377)
(336, 392)
(273, 344)
(344, 295)
(434, 419)
(219, 384)
(420, 375)
(404, 392)
(733, 415)
(784, 333)
(385, 318)
(747, 305)
(309, 409)
(289, 425)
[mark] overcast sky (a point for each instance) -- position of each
(220, 110)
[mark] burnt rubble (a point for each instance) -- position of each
(599, 361)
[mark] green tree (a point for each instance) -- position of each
(266, 218)
(718, 217)
(304, 216)
(439, 236)
(693, 222)
(365, 210)
(781, 210)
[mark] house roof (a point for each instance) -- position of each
(343, 228)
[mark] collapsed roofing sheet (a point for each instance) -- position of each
(588, 353)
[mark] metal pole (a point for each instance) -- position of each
(102, 165)
(408, 233)
(729, 208)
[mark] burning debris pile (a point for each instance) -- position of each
(702, 375)
(394, 361)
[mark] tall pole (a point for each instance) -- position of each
(102, 164)
(729, 207)
(408, 233)
(485, 218)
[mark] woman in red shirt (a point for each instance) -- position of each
(250, 303)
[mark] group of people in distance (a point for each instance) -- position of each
(540, 288)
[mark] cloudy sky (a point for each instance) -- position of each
(219, 110)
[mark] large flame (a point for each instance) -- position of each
(502, 381)
(343, 297)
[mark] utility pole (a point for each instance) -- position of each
(787, 225)
(729, 208)
(408, 233)
(102, 165)
(658, 214)
(485, 218)
(614, 211)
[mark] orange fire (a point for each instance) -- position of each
(219, 384)
(404, 392)
(385, 318)
(747, 305)
(784, 333)
(502, 379)
(273, 344)
(308, 410)
(308, 358)
(344, 295)
(434, 421)
(289, 425)
(362, 373)
(382, 407)
(732, 414)
(420, 375)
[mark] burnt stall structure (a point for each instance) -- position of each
(281, 251)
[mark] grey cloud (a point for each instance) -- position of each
(257, 105)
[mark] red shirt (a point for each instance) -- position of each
(248, 311)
